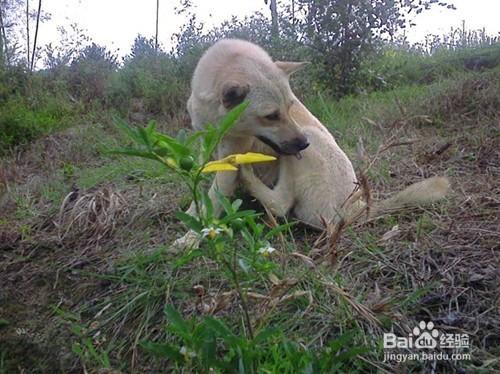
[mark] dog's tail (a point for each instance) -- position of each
(418, 194)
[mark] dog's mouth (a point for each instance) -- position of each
(276, 148)
(288, 151)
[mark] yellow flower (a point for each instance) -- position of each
(230, 162)
(218, 166)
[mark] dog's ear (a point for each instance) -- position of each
(233, 93)
(290, 67)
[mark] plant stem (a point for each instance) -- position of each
(194, 191)
(244, 304)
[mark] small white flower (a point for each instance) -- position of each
(267, 250)
(211, 232)
(187, 353)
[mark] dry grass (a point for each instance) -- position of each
(91, 250)
(451, 251)
(92, 216)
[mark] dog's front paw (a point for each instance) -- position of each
(247, 174)
(191, 240)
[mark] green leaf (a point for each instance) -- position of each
(231, 118)
(351, 353)
(248, 238)
(207, 203)
(240, 214)
(151, 127)
(177, 323)
(181, 136)
(236, 204)
(77, 348)
(266, 334)
(341, 341)
(207, 347)
(127, 129)
(163, 152)
(193, 137)
(177, 148)
(214, 135)
(278, 229)
(187, 258)
(133, 152)
(163, 350)
(223, 331)
(243, 265)
(146, 140)
(3, 322)
(224, 201)
(209, 142)
(192, 222)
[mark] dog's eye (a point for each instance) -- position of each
(274, 116)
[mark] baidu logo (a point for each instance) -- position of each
(425, 335)
(425, 342)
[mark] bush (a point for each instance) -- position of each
(90, 73)
(22, 121)
(153, 76)
(392, 67)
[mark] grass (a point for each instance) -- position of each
(394, 67)
(86, 301)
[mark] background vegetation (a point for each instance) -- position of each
(84, 235)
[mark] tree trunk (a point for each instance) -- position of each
(28, 48)
(156, 35)
(2, 54)
(274, 19)
(36, 34)
(3, 35)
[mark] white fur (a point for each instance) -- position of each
(314, 187)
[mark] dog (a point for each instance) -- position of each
(313, 177)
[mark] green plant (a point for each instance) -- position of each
(22, 121)
(210, 345)
(90, 72)
(88, 352)
(222, 237)
(237, 241)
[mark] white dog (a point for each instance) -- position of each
(313, 177)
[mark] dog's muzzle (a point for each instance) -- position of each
(292, 147)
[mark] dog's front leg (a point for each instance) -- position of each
(278, 200)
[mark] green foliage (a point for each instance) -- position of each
(239, 243)
(349, 55)
(13, 81)
(90, 72)
(22, 121)
(87, 351)
(209, 344)
(154, 77)
(392, 67)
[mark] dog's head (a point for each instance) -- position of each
(268, 117)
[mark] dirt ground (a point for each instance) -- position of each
(48, 259)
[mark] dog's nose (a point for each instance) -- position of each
(301, 143)
(294, 146)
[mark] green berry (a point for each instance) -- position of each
(186, 163)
